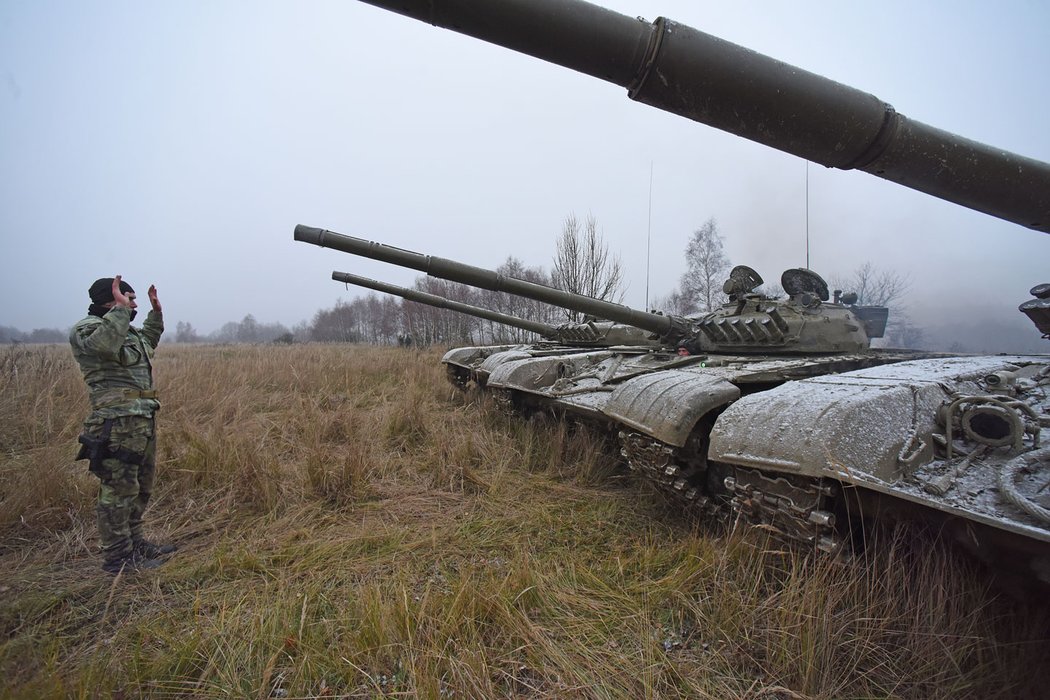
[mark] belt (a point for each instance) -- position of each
(115, 397)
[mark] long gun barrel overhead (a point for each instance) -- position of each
(444, 303)
(679, 69)
(487, 279)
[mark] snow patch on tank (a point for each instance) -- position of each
(499, 359)
(534, 374)
(861, 425)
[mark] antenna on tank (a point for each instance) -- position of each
(649, 235)
(807, 216)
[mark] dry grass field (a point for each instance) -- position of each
(350, 527)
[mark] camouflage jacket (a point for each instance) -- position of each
(117, 362)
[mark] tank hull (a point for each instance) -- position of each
(808, 446)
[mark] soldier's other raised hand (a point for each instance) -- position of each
(153, 300)
(119, 297)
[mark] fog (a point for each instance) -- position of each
(180, 143)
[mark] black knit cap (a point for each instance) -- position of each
(101, 290)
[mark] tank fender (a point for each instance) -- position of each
(538, 373)
(667, 404)
(855, 426)
(497, 359)
(471, 357)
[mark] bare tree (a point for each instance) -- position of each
(185, 333)
(701, 286)
(904, 334)
(582, 264)
(301, 331)
(10, 334)
(46, 335)
(429, 325)
(389, 328)
(338, 324)
(875, 286)
(674, 303)
(772, 290)
(378, 316)
(248, 330)
(516, 305)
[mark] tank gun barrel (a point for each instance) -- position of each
(444, 303)
(451, 270)
(679, 69)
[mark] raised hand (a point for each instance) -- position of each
(153, 300)
(119, 297)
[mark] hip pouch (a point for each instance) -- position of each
(97, 448)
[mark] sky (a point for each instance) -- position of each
(179, 143)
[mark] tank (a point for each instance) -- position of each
(467, 364)
(778, 410)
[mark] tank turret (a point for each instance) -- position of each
(1038, 309)
(591, 333)
(679, 69)
(749, 323)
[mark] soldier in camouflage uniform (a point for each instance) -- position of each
(119, 436)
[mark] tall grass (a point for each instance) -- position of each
(350, 527)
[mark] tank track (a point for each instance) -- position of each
(457, 376)
(660, 464)
(504, 401)
(792, 510)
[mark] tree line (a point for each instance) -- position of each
(387, 320)
(9, 334)
(582, 264)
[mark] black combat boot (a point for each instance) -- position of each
(130, 563)
(150, 550)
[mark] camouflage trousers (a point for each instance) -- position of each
(126, 478)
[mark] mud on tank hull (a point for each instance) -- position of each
(802, 446)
